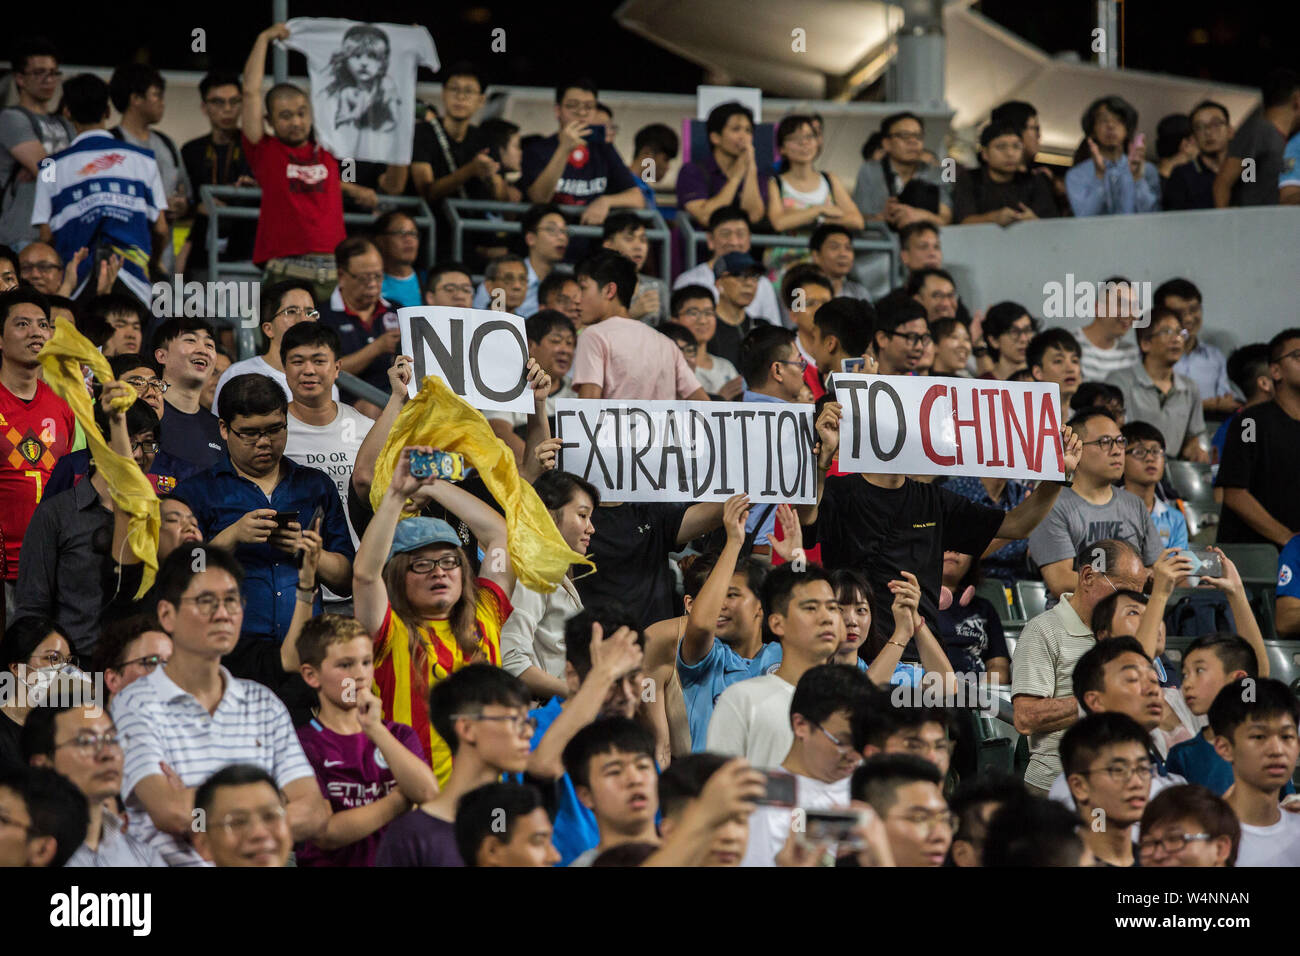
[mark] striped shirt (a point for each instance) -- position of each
(1096, 362)
(116, 848)
(1043, 666)
(161, 722)
(103, 188)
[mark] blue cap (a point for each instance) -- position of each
(418, 532)
(736, 264)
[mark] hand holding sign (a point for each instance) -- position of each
(791, 542)
(828, 431)
(1073, 445)
(547, 451)
(538, 381)
(735, 512)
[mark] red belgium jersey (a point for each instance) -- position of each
(33, 436)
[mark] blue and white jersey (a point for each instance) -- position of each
(102, 190)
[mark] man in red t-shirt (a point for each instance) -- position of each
(36, 426)
(301, 218)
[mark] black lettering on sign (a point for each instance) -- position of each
(700, 485)
(723, 488)
(450, 359)
(634, 432)
(855, 410)
(781, 445)
(476, 346)
(875, 389)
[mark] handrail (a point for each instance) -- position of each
(347, 382)
(885, 241)
(657, 230)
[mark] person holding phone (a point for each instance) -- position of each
(577, 166)
(1112, 176)
(255, 502)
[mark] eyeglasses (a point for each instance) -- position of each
(1165, 333)
(913, 339)
(148, 662)
(579, 106)
(94, 743)
(1106, 442)
(908, 137)
(43, 267)
(367, 278)
(44, 74)
(1020, 332)
(53, 659)
(800, 363)
(1147, 454)
(404, 233)
(1122, 772)
(842, 746)
(252, 436)
(699, 314)
(238, 825)
(448, 562)
(455, 289)
(298, 312)
(553, 230)
(928, 820)
(1294, 353)
(208, 604)
(149, 447)
(914, 745)
(1171, 843)
(517, 722)
(142, 385)
(688, 349)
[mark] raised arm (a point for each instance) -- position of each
(254, 72)
(542, 188)
(363, 472)
(484, 522)
(369, 595)
(828, 435)
(699, 519)
(907, 598)
(539, 426)
(1025, 517)
(703, 619)
(1230, 584)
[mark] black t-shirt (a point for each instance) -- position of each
(975, 193)
(883, 531)
(630, 549)
(192, 437)
(972, 635)
(11, 752)
(1266, 466)
(726, 340)
(217, 164)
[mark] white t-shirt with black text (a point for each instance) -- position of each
(332, 448)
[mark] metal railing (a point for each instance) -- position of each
(245, 339)
(876, 238)
(656, 229)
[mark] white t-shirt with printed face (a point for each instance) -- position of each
(1278, 845)
(332, 448)
(769, 827)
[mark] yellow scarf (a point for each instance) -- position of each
(62, 358)
(440, 418)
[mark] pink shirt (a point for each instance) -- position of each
(630, 360)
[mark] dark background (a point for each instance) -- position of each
(1220, 40)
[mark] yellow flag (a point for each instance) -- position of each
(62, 358)
(440, 418)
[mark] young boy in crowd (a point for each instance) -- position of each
(1144, 466)
(841, 330)
(692, 306)
(481, 712)
(880, 726)
(905, 791)
(752, 718)
(1188, 826)
(821, 759)
(974, 804)
(504, 824)
(602, 672)
(611, 763)
(680, 787)
(1210, 663)
(624, 232)
(370, 770)
(1053, 355)
(1254, 727)
(1108, 767)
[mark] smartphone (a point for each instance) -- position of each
(829, 826)
(853, 366)
(595, 134)
(1207, 564)
(779, 789)
(447, 465)
(284, 518)
(317, 517)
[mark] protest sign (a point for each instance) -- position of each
(689, 451)
(481, 355)
(914, 425)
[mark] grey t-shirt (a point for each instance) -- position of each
(871, 190)
(1073, 522)
(22, 126)
(1258, 139)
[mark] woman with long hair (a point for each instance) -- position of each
(856, 599)
(415, 590)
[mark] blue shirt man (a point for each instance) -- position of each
(575, 830)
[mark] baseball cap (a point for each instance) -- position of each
(736, 264)
(415, 533)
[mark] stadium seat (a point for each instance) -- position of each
(696, 137)
(1194, 482)
(997, 594)
(1175, 649)
(1284, 661)
(1257, 565)
(1031, 598)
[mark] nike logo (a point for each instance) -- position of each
(333, 763)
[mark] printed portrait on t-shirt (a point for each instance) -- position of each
(365, 97)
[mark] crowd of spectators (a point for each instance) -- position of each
(314, 675)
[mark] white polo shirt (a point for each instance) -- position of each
(162, 722)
